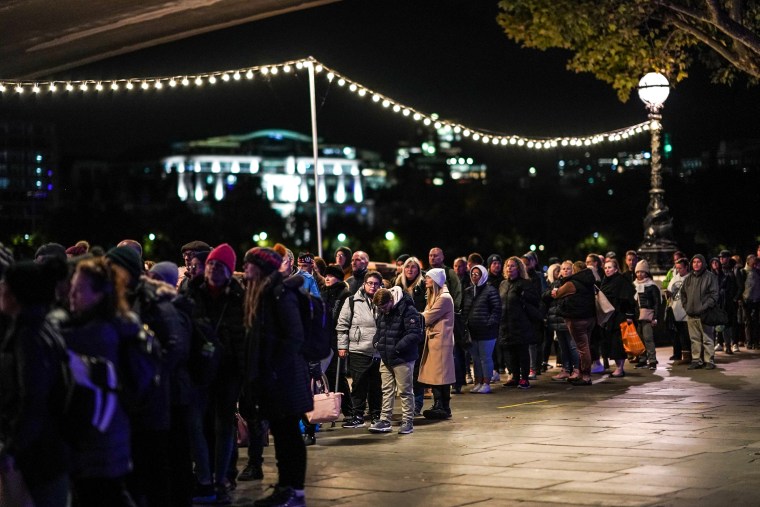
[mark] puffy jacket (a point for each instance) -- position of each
(516, 326)
(481, 311)
(356, 334)
(699, 290)
(399, 333)
(752, 286)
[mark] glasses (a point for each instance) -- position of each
(372, 284)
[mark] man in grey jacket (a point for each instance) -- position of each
(356, 330)
(699, 293)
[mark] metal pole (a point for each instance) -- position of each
(313, 96)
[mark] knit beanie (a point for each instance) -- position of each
(493, 257)
(346, 251)
(34, 283)
(166, 272)
(438, 275)
(280, 249)
(335, 270)
(266, 259)
(642, 265)
(127, 258)
(224, 254)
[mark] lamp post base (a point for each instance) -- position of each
(659, 257)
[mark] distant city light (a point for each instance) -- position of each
(263, 235)
(390, 236)
(341, 237)
(596, 235)
(532, 248)
(152, 237)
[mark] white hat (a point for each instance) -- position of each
(438, 275)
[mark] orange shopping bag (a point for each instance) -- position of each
(631, 341)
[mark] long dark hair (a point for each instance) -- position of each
(108, 281)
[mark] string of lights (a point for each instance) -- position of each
(158, 83)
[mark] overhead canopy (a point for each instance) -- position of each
(40, 37)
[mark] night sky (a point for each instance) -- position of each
(445, 57)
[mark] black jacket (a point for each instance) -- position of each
(399, 333)
(581, 304)
(620, 293)
(481, 311)
(30, 379)
(554, 321)
(334, 296)
(278, 373)
(516, 324)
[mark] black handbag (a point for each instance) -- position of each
(714, 316)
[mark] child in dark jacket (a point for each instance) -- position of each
(399, 332)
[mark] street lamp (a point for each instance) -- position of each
(658, 245)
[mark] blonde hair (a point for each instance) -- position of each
(521, 269)
(433, 293)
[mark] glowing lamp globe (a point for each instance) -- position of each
(654, 88)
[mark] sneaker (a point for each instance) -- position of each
(597, 367)
(545, 367)
(309, 439)
(406, 428)
(455, 389)
(283, 496)
(638, 366)
(735, 347)
(510, 383)
(709, 366)
(251, 473)
(476, 388)
(719, 347)
(561, 376)
(495, 377)
(355, 422)
(652, 366)
(468, 379)
(695, 365)
(523, 384)
(729, 351)
(222, 495)
(380, 426)
(204, 494)
(485, 389)
(532, 375)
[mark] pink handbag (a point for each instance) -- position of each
(327, 405)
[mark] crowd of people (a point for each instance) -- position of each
(231, 351)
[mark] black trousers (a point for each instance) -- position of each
(289, 450)
(367, 386)
(519, 358)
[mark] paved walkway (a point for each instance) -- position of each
(670, 437)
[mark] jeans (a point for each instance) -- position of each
(702, 344)
(646, 332)
(221, 398)
(366, 388)
(398, 378)
(568, 351)
(482, 359)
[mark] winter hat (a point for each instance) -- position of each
(76, 250)
(642, 265)
(346, 251)
(266, 259)
(196, 246)
(335, 270)
(128, 259)
(224, 254)
(493, 257)
(51, 250)
(724, 253)
(166, 272)
(483, 273)
(438, 275)
(305, 258)
(402, 258)
(34, 283)
(281, 249)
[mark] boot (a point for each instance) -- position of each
(437, 412)
(685, 358)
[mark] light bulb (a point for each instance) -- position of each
(236, 76)
(99, 87)
(36, 89)
(185, 81)
(83, 87)
(225, 77)
(286, 69)
(53, 87)
(198, 81)
(130, 85)
(249, 74)
(144, 85)
(172, 82)
(212, 79)
(114, 86)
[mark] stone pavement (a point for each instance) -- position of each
(670, 437)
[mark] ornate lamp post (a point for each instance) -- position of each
(658, 245)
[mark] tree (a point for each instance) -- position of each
(620, 40)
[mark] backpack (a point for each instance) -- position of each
(316, 322)
(140, 361)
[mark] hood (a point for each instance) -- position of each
(704, 264)
(397, 293)
(484, 271)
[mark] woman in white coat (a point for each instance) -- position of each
(437, 363)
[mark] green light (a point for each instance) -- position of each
(390, 236)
